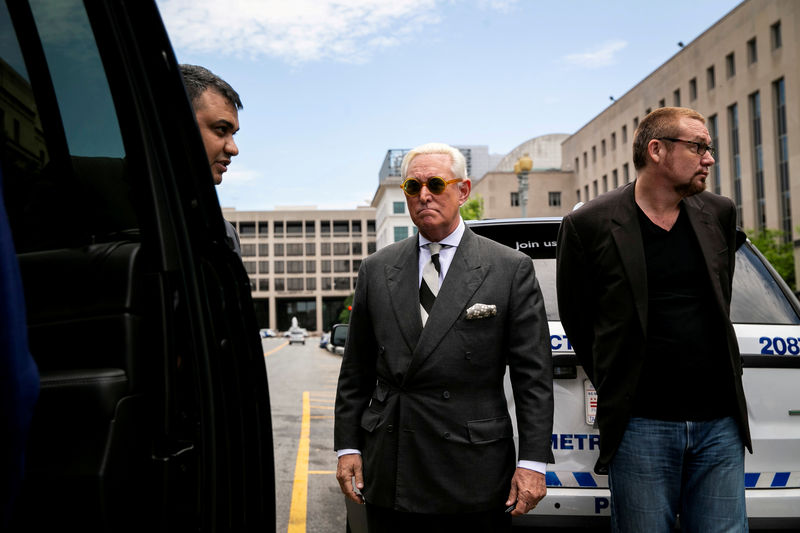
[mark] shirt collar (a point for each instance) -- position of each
(451, 240)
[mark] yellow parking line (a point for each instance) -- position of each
(284, 345)
(325, 472)
(297, 511)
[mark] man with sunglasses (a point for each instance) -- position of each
(422, 426)
(644, 281)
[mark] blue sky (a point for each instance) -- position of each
(329, 85)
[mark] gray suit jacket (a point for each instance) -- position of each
(426, 406)
(602, 297)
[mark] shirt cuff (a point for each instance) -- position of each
(533, 465)
(347, 451)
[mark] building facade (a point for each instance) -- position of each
(303, 262)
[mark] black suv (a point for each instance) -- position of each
(154, 411)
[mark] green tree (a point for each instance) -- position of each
(473, 208)
(777, 250)
(344, 316)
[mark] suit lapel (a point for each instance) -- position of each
(402, 280)
(464, 276)
(628, 237)
(703, 225)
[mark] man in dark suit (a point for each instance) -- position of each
(644, 288)
(422, 424)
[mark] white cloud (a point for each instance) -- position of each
(601, 56)
(295, 31)
(503, 6)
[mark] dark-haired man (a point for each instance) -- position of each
(215, 105)
(644, 284)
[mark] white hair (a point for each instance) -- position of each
(458, 167)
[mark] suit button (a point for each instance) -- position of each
(390, 428)
(446, 435)
(446, 395)
(467, 355)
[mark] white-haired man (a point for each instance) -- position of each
(422, 425)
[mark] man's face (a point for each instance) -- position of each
(436, 216)
(687, 170)
(218, 121)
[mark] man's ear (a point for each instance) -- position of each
(655, 150)
(464, 188)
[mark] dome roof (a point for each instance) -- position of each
(545, 151)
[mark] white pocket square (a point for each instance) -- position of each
(481, 311)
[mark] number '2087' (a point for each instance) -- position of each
(779, 345)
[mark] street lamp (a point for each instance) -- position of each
(521, 168)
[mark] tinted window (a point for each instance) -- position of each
(757, 297)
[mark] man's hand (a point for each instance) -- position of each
(528, 487)
(349, 466)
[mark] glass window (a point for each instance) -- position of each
(712, 132)
(398, 208)
(594, 154)
(277, 228)
(357, 248)
(294, 249)
(263, 229)
(248, 250)
(752, 51)
(614, 178)
(626, 174)
(294, 267)
(775, 35)
(263, 249)
(310, 228)
(757, 156)
(279, 267)
(311, 284)
(311, 267)
(278, 249)
(341, 265)
(736, 163)
(614, 141)
(356, 227)
(341, 284)
(400, 233)
(676, 97)
(757, 297)
(311, 249)
(711, 78)
(624, 134)
(782, 153)
(325, 227)
(730, 65)
(294, 228)
(247, 229)
(370, 227)
(603, 147)
(263, 267)
(554, 199)
(295, 284)
(356, 264)
(263, 284)
(325, 284)
(341, 248)
(341, 227)
(325, 265)
(279, 284)
(249, 267)
(693, 89)
(371, 247)
(662, 103)
(325, 248)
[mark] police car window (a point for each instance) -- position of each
(65, 173)
(757, 298)
(546, 276)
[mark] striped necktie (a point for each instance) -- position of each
(429, 287)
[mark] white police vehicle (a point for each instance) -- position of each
(766, 316)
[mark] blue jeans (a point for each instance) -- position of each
(693, 469)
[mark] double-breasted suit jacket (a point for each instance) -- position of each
(426, 406)
(603, 299)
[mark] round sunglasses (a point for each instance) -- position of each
(435, 184)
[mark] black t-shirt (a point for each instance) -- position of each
(687, 371)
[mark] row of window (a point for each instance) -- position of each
(553, 199)
(603, 185)
(302, 267)
(308, 249)
(298, 228)
(402, 232)
(303, 284)
(730, 69)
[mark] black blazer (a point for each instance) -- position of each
(602, 297)
(426, 406)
